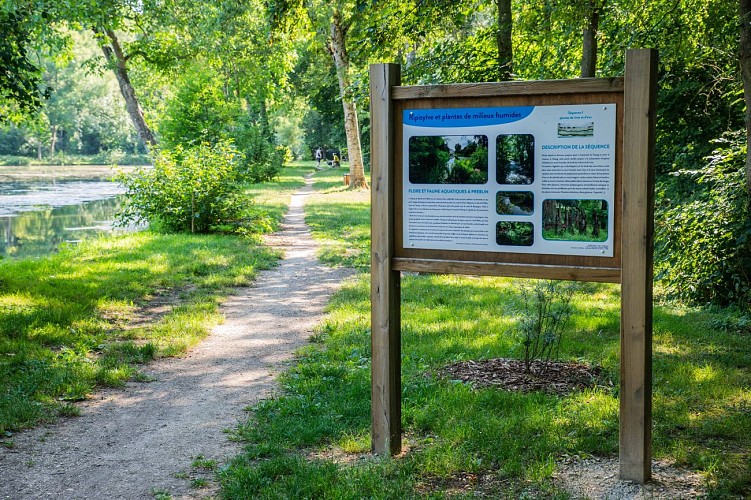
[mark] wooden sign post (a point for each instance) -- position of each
(610, 132)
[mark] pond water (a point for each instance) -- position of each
(38, 215)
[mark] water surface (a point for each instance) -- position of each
(38, 215)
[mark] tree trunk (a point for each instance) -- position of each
(589, 41)
(503, 39)
(338, 50)
(53, 141)
(745, 61)
(118, 62)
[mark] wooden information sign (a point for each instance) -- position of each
(489, 179)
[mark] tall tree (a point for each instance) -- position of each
(745, 62)
(118, 62)
(105, 18)
(21, 86)
(332, 22)
(336, 44)
(505, 47)
(589, 38)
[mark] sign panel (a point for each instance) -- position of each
(524, 179)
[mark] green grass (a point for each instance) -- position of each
(340, 220)
(551, 235)
(63, 318)
(273, 197)
(104, 158)
(61, 330)
(312, 439)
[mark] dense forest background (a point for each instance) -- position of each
(283, 77)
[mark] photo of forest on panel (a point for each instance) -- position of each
(515, 159)
(575, 220)
(453, 159)
(518, 234)
(514, 202)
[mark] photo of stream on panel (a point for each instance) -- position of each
(526, 179)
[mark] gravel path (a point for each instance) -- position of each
(134, 442)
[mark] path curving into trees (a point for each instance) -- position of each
(153, 437)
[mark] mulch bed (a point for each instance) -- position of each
(552, 377)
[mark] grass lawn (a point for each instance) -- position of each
(273, 197)
(63, 318)
(340, 220)
(313, 439)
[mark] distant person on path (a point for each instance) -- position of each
(319, 157)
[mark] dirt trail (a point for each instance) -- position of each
(130, 443)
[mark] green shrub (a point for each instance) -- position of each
(546, 310)
(703, 241)
(189, 190)
(199, 111)
(15, 161)
(262, 161)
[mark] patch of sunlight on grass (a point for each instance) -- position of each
(355, 443)
(665, 343)
(705, 373)
(108, 306)
(22, 301)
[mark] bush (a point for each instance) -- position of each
(15, 161)
(189, 190)
(198, 112)
(703, 244)
(546, 310)
(262, 161)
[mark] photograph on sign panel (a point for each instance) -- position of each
(575, 220)
(514, 202)
(570, 129)
(518, 234)
(448, 159)
(515, 159)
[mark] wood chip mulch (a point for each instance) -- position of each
(552, 377)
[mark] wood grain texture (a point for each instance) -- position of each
(385, 281)
(469, 90)
(636, 281)
(598, 274)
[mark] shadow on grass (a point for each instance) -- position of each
(61, 326)
(701, 412)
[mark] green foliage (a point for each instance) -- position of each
(514, 233)
(21, 85)
(261, 161)
(428, 159)
(697, 105)
(198, 112)
(703, 241)
(545, 312)
(433, 161)
(189, 190)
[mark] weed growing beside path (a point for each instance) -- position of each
(90, 315)
(313, 440)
